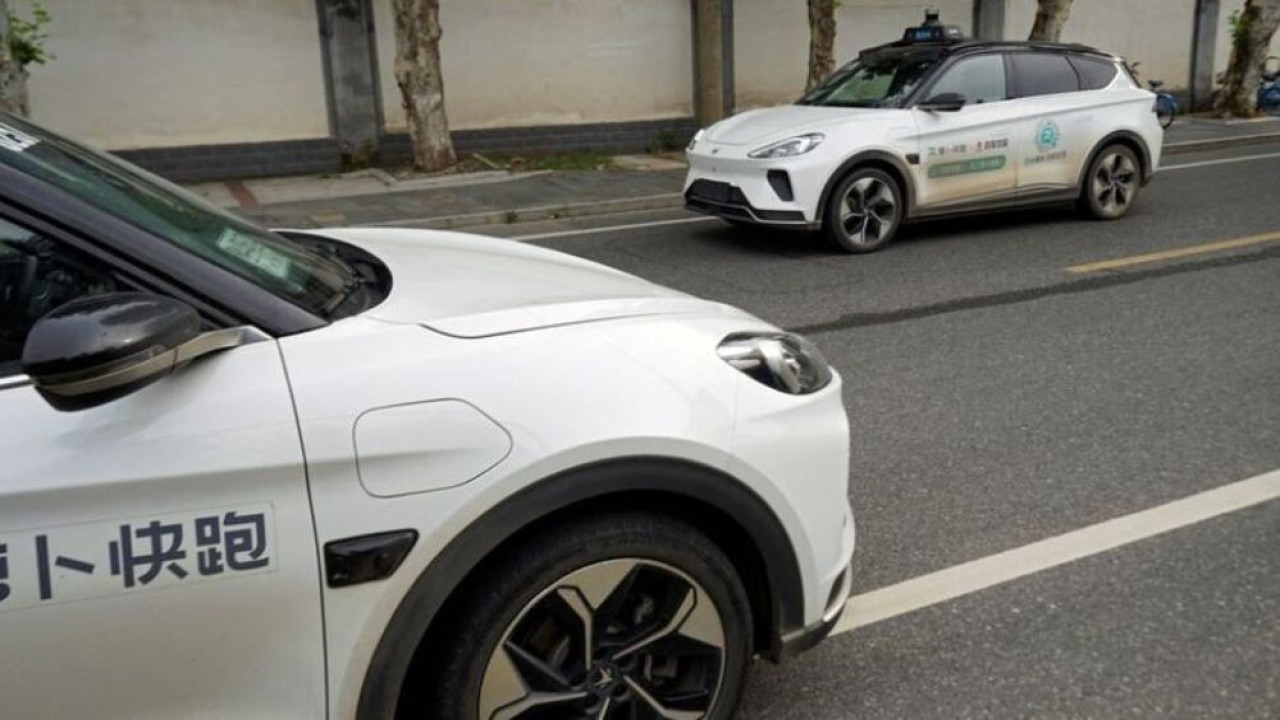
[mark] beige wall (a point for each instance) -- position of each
(771, 40)
(545, 62)
(1156, 33)
(160, 73)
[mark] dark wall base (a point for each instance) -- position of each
(199, 163)
(196, 163)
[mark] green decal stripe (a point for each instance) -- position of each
(965, 167)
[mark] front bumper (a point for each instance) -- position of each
(722, 199)
(794, 643)
(781, 192)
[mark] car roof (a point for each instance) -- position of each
(966, 46)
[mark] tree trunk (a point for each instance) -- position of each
(1251, 38)
(822, 40)
(417, 71)
(1051, 15)
(13, 77)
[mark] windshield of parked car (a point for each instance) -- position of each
(277, 264)
(876, 80)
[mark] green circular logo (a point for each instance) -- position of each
(1047, 135)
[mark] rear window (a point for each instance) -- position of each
(1095, 73)
(1043, 74)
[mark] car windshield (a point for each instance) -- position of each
(876, 80)
(276, 264)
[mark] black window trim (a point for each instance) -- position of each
(221, 297)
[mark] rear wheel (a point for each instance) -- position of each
(623, 616)
(1111, 185)
(865, 211)
(1165, 111)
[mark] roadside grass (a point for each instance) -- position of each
(559, 161)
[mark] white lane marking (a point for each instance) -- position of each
(970, 577)
(1220, 161)
(608, 228)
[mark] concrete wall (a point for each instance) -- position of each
(771, 40)
(550, 62)
(161, 73)
(1156, 33)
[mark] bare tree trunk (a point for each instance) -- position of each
(822, 40)
(1051, 15)
(1251, 38)
(417, 71)
(13, 77)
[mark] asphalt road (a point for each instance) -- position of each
(998, 399)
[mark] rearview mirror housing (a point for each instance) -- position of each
(96, 349)
(943, 102)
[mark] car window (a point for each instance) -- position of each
(278, 265)
(37, 275)
(1044, 74)
(977, 79)
(1095, 73)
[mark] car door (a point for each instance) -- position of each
(965, 155)
(157, 553)
(1057, 124)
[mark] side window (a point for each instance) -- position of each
(1043, 74)
(977, 79)
(37, 274)
(1095, 73)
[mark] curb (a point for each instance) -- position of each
(1217, 143)
(664, 201)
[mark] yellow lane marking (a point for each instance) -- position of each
(1176, 253)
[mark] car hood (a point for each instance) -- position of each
(474, 286)
(778, 123)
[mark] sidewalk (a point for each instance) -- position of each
(373, 197)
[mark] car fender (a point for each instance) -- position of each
(878, 155)
(392, 658)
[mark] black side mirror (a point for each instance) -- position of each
(96, 349)
(943, 102)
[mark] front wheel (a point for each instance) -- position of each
(621, 616)
(865, 211)
(1111, 185)
(1165, 111)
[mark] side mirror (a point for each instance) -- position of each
(96, 349)
(943, 102)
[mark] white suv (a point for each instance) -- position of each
(379, 473)
(933, 125)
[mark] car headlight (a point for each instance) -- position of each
(790, 147)
(785, 362)
(696, 137)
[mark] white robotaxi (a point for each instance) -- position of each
(386, 473)
(933, 125)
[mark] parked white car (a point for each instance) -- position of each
(933, 125)
(355, 473)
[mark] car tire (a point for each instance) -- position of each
(517, 638)
(864, 212)
(1111, 184)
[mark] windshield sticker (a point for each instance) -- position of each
(966, 167)
(253, 253)
(91, 560)
(15, 140)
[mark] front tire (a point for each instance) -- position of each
(618, 616)
(865, 211)
(1111, 185)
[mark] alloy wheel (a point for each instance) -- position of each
(868, 212)
(1113, 183)
(623, 638)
